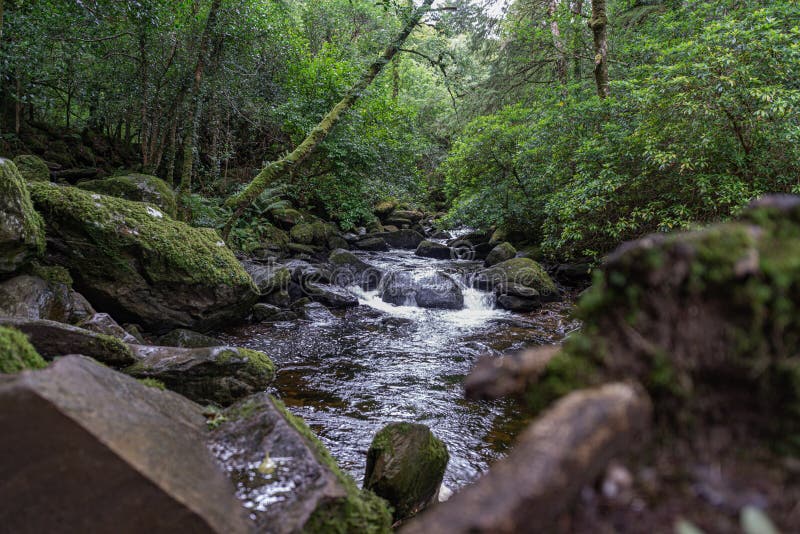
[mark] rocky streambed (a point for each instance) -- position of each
(349, 372)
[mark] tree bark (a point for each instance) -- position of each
(562, 451)
(558, 42)
(193, 115)
(292, 161)
(598, 24)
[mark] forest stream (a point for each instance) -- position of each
(349, 374)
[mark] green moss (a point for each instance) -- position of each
(523, 271)
(22, 226)
(361, 511)
(170, 251)
(112, 345)
(32, 168)
(16, 352)
(153, 383)
(571, 369)
(52, 273)
(138, 188)
(312, 233)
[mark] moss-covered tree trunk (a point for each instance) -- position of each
(193, 113)
(286, 165)
(598, 24)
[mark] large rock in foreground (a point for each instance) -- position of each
(86, 449)
(405, 466)
(287, 477)
(21, 230)
(133, 261)
(136, 187)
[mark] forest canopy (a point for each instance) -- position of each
(572, 125)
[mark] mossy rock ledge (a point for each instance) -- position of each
(21, 229)
(135, 262)
(16, 352)
(679, 311)
(32, 168)
(136, 187)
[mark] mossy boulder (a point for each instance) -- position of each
(312, 233)
(16, 352)
(273, 454)
(136, 187)
(21, 228)
(520, 271)
(680, 311)
(500, 253)
(349, 269)
(32, 168)
(286, 218)
(383, 209)
(405, 466)
(133, 261)
(218, 375)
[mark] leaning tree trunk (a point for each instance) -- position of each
(598, 24)
(293, 160)
(193, 114)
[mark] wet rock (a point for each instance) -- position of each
(338, 242)
(331, 296)
(399, 288)
(405, 466)
(498, 237)
(136, 187)
(562, 451)
(431, 249)
(518, 272)
(180, 337)
(318, 313)
(440, 291)
(16, 353)
(219, 375)
(441, 234)
(288, 479)
(21, 229)
(472, 238)
(103, 431)
(268, 313)
(32, 168)
(574, 273)
(139, 265)
(268, 278)
(469, 251)
(313, 233)
(396, 321)
(52, 339)
(35, 298)
(102, 323)
(519, 304)
(410, 215)
(406, 239)
(349, 269)
(500, 253)
(373, 244)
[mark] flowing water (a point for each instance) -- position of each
(351, 373)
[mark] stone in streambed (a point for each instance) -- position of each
(431, 249)
(522, 272)
(290, 479)
(349, 269)
(331, 296)
(405, 466)
(219, 375)
(78, 432)
(427, 290)
(373, 244)
(134, 262)
(500, 253)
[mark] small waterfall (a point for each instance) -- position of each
(477, 300)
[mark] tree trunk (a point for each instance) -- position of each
(292, 161)
(558, 42)
(598, 24)
(193, 115)
(144, 89)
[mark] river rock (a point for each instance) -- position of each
(35, 298)
(397, 222)
(286, 218)
(431, 249)
(21, 229)
(406, 239)
(500, 253)
(17, 354)
(102, 323)
(136, 187)
(138, 451)
(189, 339)
(289, 479)
(220, 375)
(141, 266)
(52, 339)
(349, 269)
(522, 272)
(440, 291)
(372, 243)
(268, 277)
(331, 296)
(411, 215)
(312, 233)
(405, 466)
(574, 273)
(517, 297)
(32, 168)
(317, 313)
(441, 234)
(398, 288)
(263, 312)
